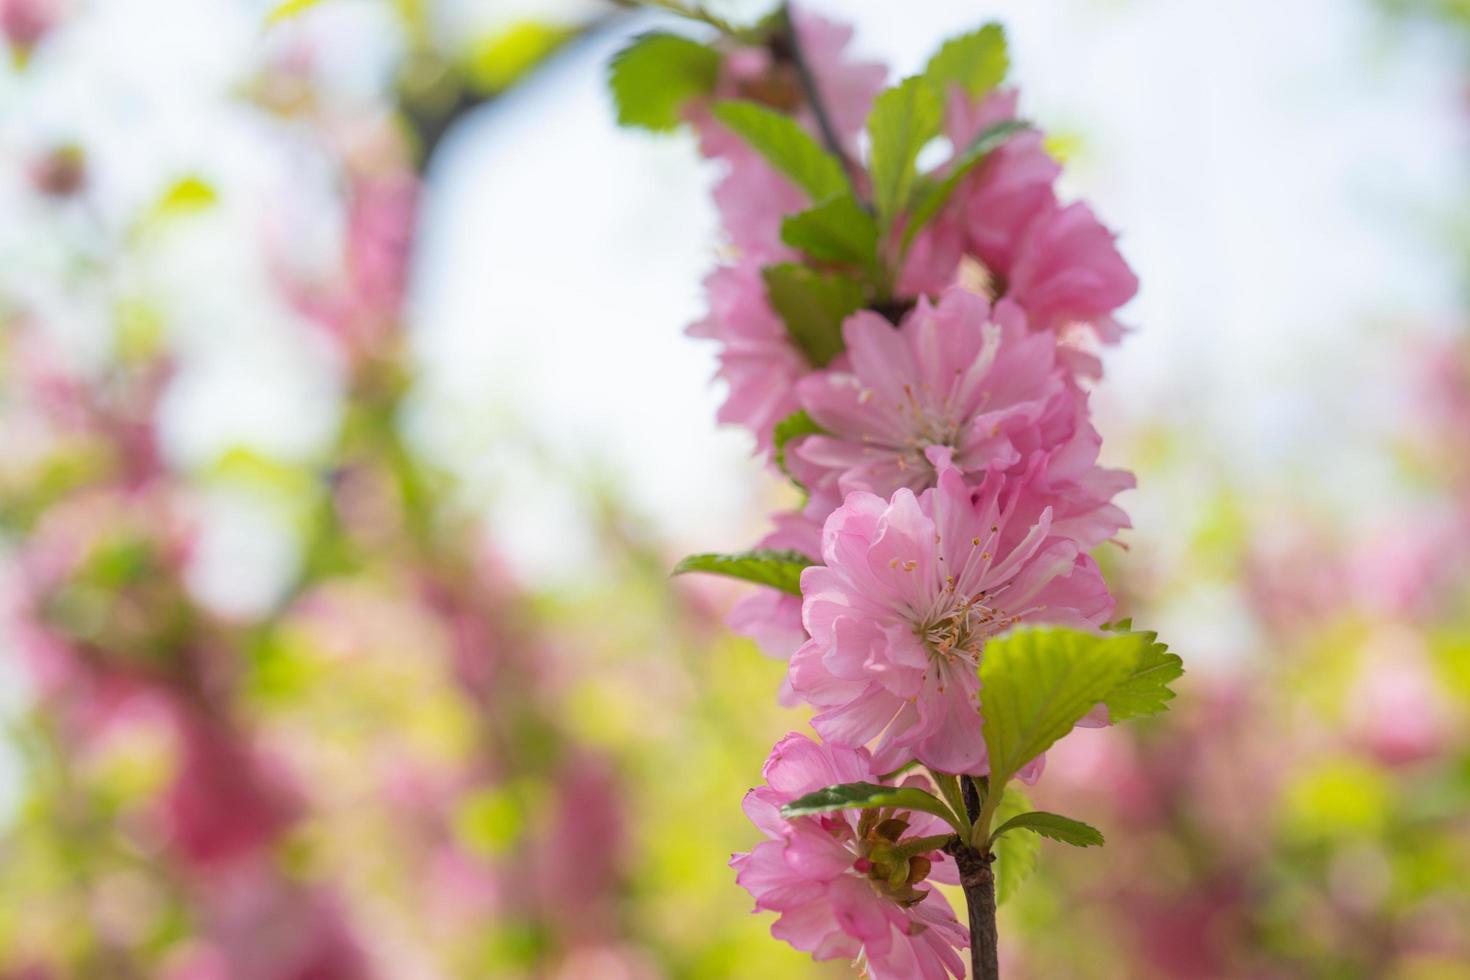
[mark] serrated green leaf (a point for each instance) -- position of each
(867, 796)
(1053, 826)
(903, 120)
(933, 199)
(763, 566)
(1146, 690)
(653, 77)
(837, 230)
(813, 305)
(1015, 854)
(1036, 683)
(793, 426)
(977, 61)
(786, 146)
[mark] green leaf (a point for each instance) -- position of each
(1146, 691)
(813, 305)
(1015, 854)
(837, 230)
(1053, 826)
(763, 566)
(793, 426)
(867, 796)
(1036, 683)
(977, 62)
(933, 199)
(653, 77)
(786, 146)
(903, 120)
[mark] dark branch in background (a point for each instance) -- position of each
(788, 43)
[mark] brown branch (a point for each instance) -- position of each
(977, 878)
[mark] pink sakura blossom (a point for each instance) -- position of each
(1068, 270)
(829, 876)
(1058, 262)
(752, 197)
(993, 206)
(757, 359)
(912, 589)
(959, 383)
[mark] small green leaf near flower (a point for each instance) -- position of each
(777, 569)
(1053, 826)
(868, 796)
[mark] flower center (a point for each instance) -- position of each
(880, 856)
(928, 425)
(959, 632)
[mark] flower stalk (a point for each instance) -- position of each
(977, 878)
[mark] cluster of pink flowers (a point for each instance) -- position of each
(952, 476)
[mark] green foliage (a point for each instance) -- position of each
(1037, 683)
(935, 196)
(786, 146)
(868, 796)
(777, 569)
(1015, 854)
(1146, 691)
(977, 62)
(793, 426)
(903, 120)
(1053, 826)
(813, 305)
(837, 230)
(653, 77)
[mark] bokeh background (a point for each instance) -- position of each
(347, 434)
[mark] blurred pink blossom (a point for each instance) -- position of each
(26, 23)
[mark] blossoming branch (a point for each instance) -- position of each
(913, 348)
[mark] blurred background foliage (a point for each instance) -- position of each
(283, 708)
